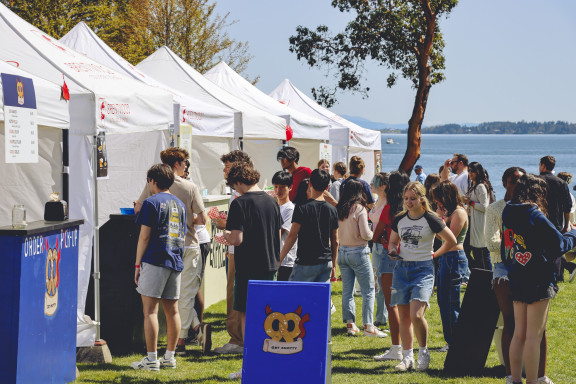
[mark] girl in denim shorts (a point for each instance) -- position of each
(411, 242)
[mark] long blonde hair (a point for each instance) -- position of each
(420, 192)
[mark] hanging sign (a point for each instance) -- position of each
(326, 152)
(186, 137)
(20, 119)
(101, 156)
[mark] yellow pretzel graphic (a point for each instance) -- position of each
(286, 328)
(51, 261)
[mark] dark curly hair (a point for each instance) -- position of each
(531, 189)
(241, 172)
(352, 194)
(236, 156)
(174, 155)
(162, 174)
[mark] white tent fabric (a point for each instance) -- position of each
(31, 184)
(100, 99)
(260, 132)
(165, 66)
(206, 119)
(303, 126)
(344, 135)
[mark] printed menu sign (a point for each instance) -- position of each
(20, 119)
(326, 151)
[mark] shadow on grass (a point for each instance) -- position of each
(496, 372)
(141, 380)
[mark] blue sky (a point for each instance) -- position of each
(507, 60)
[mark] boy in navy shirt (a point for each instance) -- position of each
(159, 263)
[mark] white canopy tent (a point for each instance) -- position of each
(32, 183)
(212, 123)
(308, 132)
(133, 115)
(347, 138)
(257, 132)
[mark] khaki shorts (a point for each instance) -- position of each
(158, 282)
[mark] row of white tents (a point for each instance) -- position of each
(135, 106)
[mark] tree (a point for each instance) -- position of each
(403, 36)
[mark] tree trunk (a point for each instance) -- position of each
(414, 132)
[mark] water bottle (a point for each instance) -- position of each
(19, 216)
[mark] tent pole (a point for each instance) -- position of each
(96, 260)
(65, 167)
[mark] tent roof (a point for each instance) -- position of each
(303, 126)
(342, 131)
(164, 65)
(118, 104)
(206, 119)
(52, 110)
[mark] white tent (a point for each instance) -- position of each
(212, 123)
(309, 132)
(101, 99)
(347, 138)
(259, 133)
(32, 183)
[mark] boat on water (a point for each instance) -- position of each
(389, 141)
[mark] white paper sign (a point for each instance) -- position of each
(20, 119)
(326, 151)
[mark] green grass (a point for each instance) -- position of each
(352, 356)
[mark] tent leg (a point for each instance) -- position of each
(96, 259)
(65, 167)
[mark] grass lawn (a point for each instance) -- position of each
(352, 356)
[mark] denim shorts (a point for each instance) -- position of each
(413, 280)
(500, 271)
(386, 264)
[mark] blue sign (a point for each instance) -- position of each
(39, 317)
(287, 328)
(18, 91)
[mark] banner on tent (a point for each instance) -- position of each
(20, 119)
(102, 157)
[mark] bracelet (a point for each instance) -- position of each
(137, 266)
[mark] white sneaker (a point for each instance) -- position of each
(423, 361)
(352, 329)
(146, 365)
(444, 348)
(167, 363)
(235, 375)
(546, 379)
(509, 380)
(394, 353)
(371, 331)
(229, 349)
(406, 363)
(332, 308)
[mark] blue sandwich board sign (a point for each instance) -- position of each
(287, 332)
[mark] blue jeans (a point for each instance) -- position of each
(381, 311)
(354, 264)
(313, 273)
(451, 270)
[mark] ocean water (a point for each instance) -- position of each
(494, 152)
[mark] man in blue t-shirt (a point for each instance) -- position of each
(159, 263)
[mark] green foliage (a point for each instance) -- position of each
(136, 28)
(506, 127)
(391, 33)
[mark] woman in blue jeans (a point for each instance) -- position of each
(453, 264)
(354, 258)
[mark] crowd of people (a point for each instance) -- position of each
(396, 239)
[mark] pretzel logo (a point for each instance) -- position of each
(52, 275)
(20, 90)
(285, 331)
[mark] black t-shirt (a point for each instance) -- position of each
(318, 219)
(558, 199)
(257, 215)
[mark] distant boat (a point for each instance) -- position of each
(389, 141)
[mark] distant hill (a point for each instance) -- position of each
(375, 125)
(506, 127)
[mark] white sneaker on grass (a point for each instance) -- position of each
(167, 363)
(423, 361)
(394, 353)
(146, 364)
(546, 379)
(406, 363)
(371, 331)
(352, 329)
(444, 348)
(570, 279)
(235, 375)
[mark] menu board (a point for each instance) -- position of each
(326, 151)
(20, 119)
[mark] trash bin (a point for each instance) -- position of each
(39, 280)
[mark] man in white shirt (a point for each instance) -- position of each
(459, 166)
